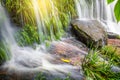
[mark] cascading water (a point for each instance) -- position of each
(45, 13)
(25, 59)
(100, 10)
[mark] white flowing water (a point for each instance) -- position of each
(100, 10)
(45, 12)
(26, 59)
(40, 25)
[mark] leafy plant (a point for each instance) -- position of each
(109, 1)
(96, 68)
(3, 54)
(110, 53)
(22, 12)
(41, 76)
(28, 36)
(116, 9)
(51, 15)
(66, 12)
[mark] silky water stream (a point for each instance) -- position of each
(98, 10)
(27, 59)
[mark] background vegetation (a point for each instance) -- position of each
(116, 9)
(54, 21)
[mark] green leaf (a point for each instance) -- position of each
(117, 11)
(109, 1)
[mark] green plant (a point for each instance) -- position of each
(116, 9)
(22, 12)
(3, 54)
(110, 53)
(41, 76)
(27, 36)
(95, 68)
(65, 11)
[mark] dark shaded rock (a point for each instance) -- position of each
(46, 75)
(90, 32)
(113, 35)
(5, 75)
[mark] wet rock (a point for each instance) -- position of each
(76, 43)
(67, 52)
(113, 35)
(115, 69)
(90, 32)
(4, 75)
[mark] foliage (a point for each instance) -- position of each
(3, 54)
(28, 35)
(54, 16)
(21, 11)
(116, 9)
(96, 68)
(41, 76)
(66, 12)
(109, 1)
(110, 53)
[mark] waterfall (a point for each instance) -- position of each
(6, 28)
(45, 12)
(99, 10)
(27, 59)
(39, 22)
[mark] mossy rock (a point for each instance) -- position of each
(90, 32)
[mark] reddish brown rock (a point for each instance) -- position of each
(114, 42)
(5, 75)
(67, 52)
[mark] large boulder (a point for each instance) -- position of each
(90, 32)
